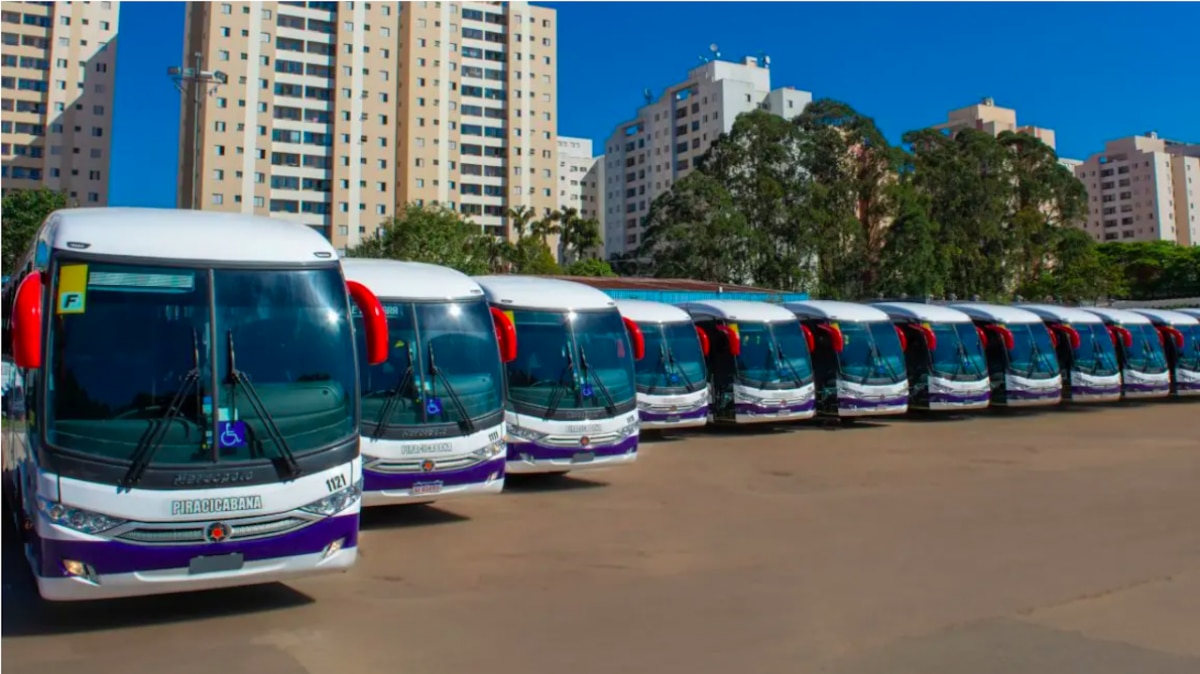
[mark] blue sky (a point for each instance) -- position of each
(1092, 72)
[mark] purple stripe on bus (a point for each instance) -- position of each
(982, 397)
(119, 557)
(752, 408)
(1036, 394)
(379, 481)
(544, 452)
(1148, 388)
(847, 403)
(699, 413)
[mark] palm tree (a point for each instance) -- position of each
(547, 227)
(586, 238)
(519, 220)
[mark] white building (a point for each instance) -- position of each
(580, 178)
(645, 155)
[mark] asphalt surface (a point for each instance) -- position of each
(1063, 541)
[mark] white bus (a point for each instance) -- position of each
(1144, 371)
(758, 361)
(188, 413)
(1022, 364)
(1179, 334)
(947, 366)
(572, 401)
(672, 380)
(433, 412)
(1087, 359)
(858, 359)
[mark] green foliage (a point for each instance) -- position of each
(695, 231)
(435, 235)
(532, 256)
(913, 263)
(578, 237)
(24, 211)
(1155, 269)
(1079, 273)
(590, 267)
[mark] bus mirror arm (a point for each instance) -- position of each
(27, 322)
(636, 338)
(809, 339)
(374, 321)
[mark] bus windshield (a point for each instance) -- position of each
(673, 361)
(1189, 355)
(125, 339)
(570, 360)
(455, 337)
(1032, 354)
(871, 353)
(958, 354)
(1096, 354)
(773, 355)
(1145, 354)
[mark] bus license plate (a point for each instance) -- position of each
(783, 413)
(583, 457)
(426, 488)
(216, 563)
(673, 419)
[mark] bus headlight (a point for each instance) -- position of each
(78, 519)
(490, 450)
(335, 502)
(524, 433)
(627, 430)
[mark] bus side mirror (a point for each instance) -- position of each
(903, 339)
(839, 342)
(506, 335)
(930, 337)
(1005, 334)
(1120, 336)
(1053, 337)
(808, 338)
(1071, 333)
(703, 341)
(27, 322)
(636, 338)
(735, 345)
(374, 321)
(1174, 333)
(982, 336)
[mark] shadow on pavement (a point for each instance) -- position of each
(535, 483)
(403, 516)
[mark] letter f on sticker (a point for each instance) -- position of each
(70, 301)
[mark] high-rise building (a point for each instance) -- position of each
(334, 113)
(989, 117)
(580, 178)
(1143, 188)
(645, 155)
(57, 98)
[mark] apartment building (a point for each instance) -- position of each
(334, 113)
(580, 178)
(1143, 188)
(644, 156)
(59, 69)
(989, 117)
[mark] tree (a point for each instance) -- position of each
(24, 211)
(1078, 272)
(432, 234)
(590, 267)
(912, 263)
(531, 255)
(695, 231)
(578, 236)
(1155, 269)
(520, 221)
(546, 227)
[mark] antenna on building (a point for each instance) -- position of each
(765, 60)
(988, 100)
(715, 53)
(648, 95)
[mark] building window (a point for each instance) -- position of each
(218, 199)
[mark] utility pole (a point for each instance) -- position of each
(194, 81)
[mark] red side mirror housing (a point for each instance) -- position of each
(903, 339)
(1120, 336)
(1053, 337)
(735, 345)
(374, 321)
(982, 336)
(1173, 333)
(930, 337)
(703, 341)
(1071, 333)
(808, 337)
(27, 322)
(636, 338)
(506, 335)
(839, 342)
(1005, 334)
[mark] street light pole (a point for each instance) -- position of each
(198, 79)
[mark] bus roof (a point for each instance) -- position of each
(1049, 312)
(177, 234)
(1119, 316)
(643, 311)
(396, 280)
(740, 310)
(1168, 317)
(542, 293)
(930, 313)
(1194, 313)
(996, 313)
(837, 311)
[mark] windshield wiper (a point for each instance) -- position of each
(675, 364)
(877, 357)
(393, 399)
(781, 358)
(152, 440)
(290, 468)
(560, 389)
(434, 371)
(610, 406)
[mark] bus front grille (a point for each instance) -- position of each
(182, 533)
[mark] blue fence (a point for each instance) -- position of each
(678, 296)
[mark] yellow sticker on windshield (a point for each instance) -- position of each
(733, 327)
(72, 289)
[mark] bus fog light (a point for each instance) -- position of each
(493, 476)
(333, 548)
(79, 569)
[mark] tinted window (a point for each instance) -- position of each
(958, 353)
(673, 359)
(1032, 355)
(871, 353)
(1145, 354)
(1096, 354)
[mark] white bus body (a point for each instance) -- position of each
(1179, 334)
(1022, 364)
(947, 366)
(1144, 370)
(1091, 372)
(433, 413)
(158, 460)
(571, 400)
(672, 380)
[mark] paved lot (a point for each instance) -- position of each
(1052, 542)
